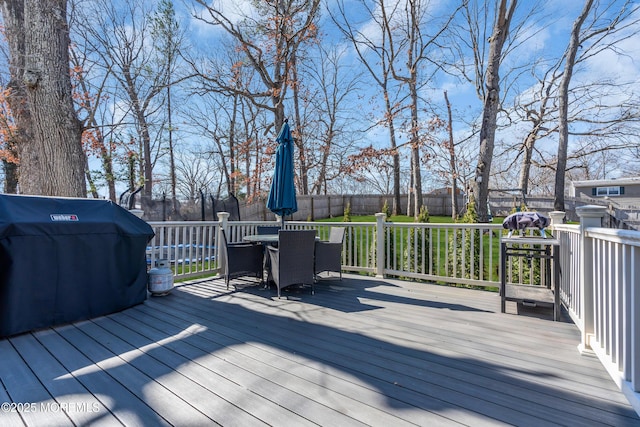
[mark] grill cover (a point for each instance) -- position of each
(65, 259)
(522, 220)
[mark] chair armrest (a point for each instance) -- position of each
(242, 244)
(328, 246)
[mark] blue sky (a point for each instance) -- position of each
(547, 32)
(544, 37)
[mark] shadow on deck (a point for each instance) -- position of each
(361, 351)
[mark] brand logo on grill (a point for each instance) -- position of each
(64, 217)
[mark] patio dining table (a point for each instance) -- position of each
(261, 238)
(265, 240)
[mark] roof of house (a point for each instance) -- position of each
(607, 182)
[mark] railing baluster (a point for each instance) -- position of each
(633, 319)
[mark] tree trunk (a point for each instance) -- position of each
(537, 119)
(13, 16)
(57, 139)
(415, 144)
(106, 158)
(303, 177)
(563, 106)
(525, 169)
(172, 158)
(413, 57)
(143, 134)
(452, 161)
(10, 177)
(93, 190)
(233, 162)
(491, 106)
(397, 207)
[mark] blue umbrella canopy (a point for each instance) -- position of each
(282, 195)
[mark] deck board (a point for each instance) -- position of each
(126, 407)
(261, 366)
(361, 351)
(22, 386)
(81, 405)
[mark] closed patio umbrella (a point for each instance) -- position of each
(282, 195)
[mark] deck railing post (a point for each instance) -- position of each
(557, 217)
(380, 249)
(590, 216)
(562, 282)
(223, 218)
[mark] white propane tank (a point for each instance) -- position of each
(160, 278)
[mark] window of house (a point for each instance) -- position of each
(608, 191)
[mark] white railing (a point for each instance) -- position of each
(600, 287)
(190, 246)
(448, 253)
(570, 284)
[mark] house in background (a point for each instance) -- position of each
(621, 196)
(623, 188)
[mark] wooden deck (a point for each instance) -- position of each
(361, 351)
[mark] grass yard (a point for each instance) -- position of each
(441, 239)
(398, 218)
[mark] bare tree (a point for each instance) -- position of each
(480, 185)
(212, 127)
(563, 95)
(49, 137)
(601, 26)
(453, 162)
(268, 44)
(168, 39)
(263, 71)
(251, 149)
(539, 119)
(232, 129)
(401, 50)
(121, 34)
(195, 171)
(599, 108)
(379, 68)
(473, 41)
(409, 48)
(328, 85)
(88, 98)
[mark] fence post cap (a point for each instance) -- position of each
(556, 217)
(591, 211)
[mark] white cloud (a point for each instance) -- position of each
(233, 10)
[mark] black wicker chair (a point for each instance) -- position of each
(267, 229)
(242, 259)
(329, 254)
(292, 261)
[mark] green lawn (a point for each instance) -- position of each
(441, 267)
(398, 218)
